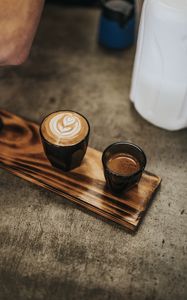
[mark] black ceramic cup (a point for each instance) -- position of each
(118, 182)
(65, 157)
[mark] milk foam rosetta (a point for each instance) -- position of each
(64, 128)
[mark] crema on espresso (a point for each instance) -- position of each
(64, 128)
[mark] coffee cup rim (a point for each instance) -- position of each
(141, 169)
(64, 146)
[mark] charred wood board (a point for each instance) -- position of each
(21, 153)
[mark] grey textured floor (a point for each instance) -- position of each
(49, 248)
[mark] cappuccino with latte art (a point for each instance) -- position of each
(65, 137)
(64, 128)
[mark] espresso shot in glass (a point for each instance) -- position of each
(65, 136)
(123, 165)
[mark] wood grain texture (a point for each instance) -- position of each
(22, 154)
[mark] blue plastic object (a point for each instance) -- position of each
(117, 25)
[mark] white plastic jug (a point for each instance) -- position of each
(159, 82)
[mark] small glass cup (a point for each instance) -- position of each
(65, 157)
(116, 181)
(1, 124)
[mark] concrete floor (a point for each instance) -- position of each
(49, 248)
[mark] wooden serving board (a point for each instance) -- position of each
(21, 153)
